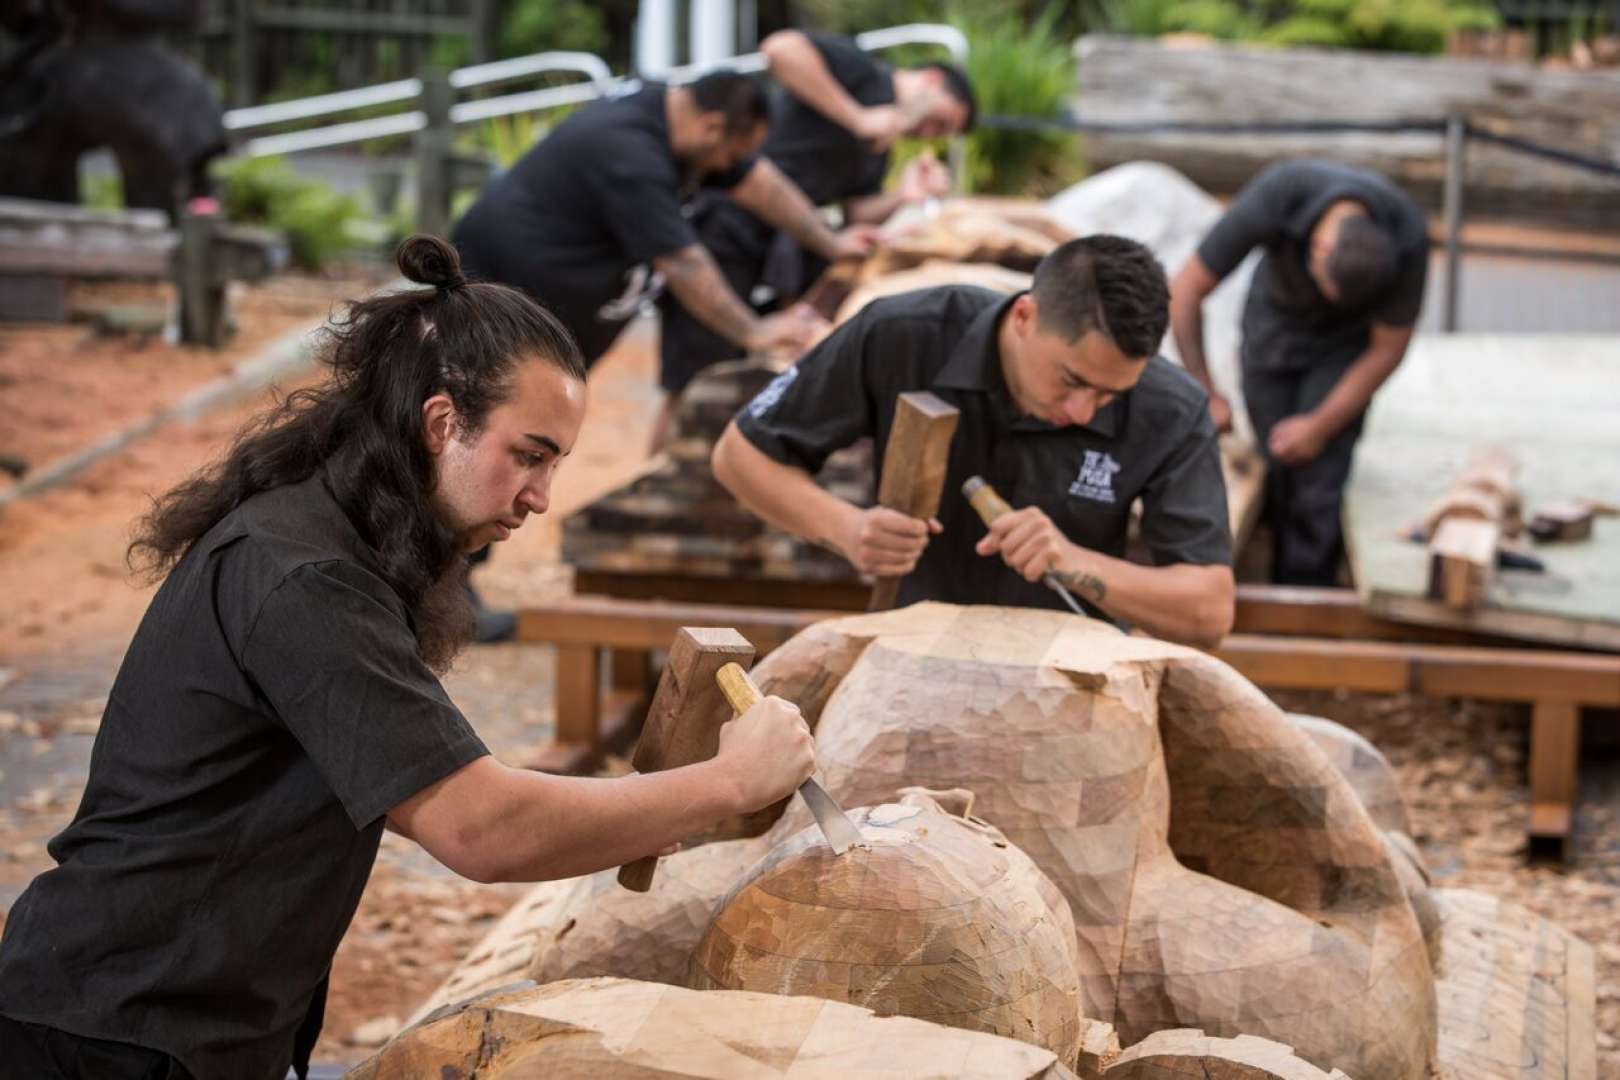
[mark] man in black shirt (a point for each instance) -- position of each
(280, 704)
(832, 121)
(1065, 409)
(1327, 320)
(589, 221)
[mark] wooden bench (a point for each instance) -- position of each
(45, 245)
(604, 675)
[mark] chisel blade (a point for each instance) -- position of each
(840, 832)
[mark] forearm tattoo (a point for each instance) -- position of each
(1087, 585)
(698, 284)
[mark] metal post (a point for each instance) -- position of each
(713, 33)
(1456, 146)
(655, 38)
(485, 19)
(244, 85)
(434, 150)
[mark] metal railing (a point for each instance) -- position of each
(432, 123)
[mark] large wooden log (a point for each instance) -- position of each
(1217, 83)
(620, 1027)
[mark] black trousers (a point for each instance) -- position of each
(36, 1052)
(1302, 501)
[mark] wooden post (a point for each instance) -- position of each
(683, 725)
(202, 296)
(1456, 145)
(578, 707)
(434, 150)
(1555, 745)
(914, 466)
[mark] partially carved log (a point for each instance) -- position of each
(1220, 872)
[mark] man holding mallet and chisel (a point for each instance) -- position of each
(1065, 410)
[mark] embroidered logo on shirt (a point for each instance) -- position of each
(766, 398)
(1096, 479)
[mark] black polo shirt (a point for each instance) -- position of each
(1288, 325)
(270, 710)
(826, 160)
(577, 220)
(1155, 443)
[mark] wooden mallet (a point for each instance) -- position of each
(688, 710)
(914, 465)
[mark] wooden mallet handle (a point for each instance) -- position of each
(740, 691)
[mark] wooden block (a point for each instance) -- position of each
(1462, 560)
(683, 725)
(1570, 520)
(579, 693)
(914, 464)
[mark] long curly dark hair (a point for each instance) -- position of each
(363, 425)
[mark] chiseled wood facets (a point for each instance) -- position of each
(1221, 873)
(594, 1028)
(933, 916)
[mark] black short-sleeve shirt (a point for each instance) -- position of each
(269, 712)
(576, 221)
(826, 160)
(1287, 323)
(1155, 443)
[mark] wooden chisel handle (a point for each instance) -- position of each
(740, 691)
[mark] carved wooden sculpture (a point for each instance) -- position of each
(935, 916)
(1221, 873)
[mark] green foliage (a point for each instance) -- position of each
(1222, 19)
(1419, 26)
(532, 26)
(102, 191)
(507, 138)
(317, 219)
(1019, 71)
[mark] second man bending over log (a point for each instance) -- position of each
(1065, 408)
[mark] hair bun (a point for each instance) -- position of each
(428, 260)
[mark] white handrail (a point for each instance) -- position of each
(594, 68)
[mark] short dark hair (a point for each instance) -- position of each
(1362, 262)
(739, 97)
(1105, 283)
(960, 87)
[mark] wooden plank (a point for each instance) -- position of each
(700, 588)
(1555, 746)
(641, 625)
(1487, 674)
(914, 463)
(1309, 611)
(683, 725)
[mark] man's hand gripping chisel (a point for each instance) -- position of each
(841, 833)
(991, 506)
